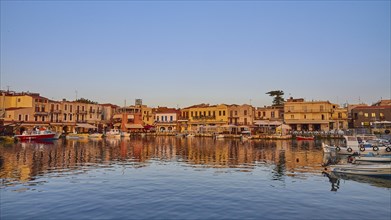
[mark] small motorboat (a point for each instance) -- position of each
(305, 138)
(37, 134)
(381, 170)
(371, 157)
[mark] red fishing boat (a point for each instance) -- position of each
(302, 138)
(37, 135)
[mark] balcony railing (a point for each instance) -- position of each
(55, 111)
(41, 113)
(204, 118)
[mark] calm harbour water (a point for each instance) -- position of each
(181, 178)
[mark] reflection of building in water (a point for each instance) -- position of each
(25, 160)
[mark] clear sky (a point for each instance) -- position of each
(176, 54)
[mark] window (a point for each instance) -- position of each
(272, 114)
(171, 118)
(231, 113)
(373, 115)
(223, 113)
(35, 118)
(70, 109)
(292, 117)
(65, 117)
(339, 115)
(321, 108)
(20, 117)
(305, 116)
(26, 117)
(219, 113)
(366, 115)
(208, 113)
(165, 118)
(245, 112)
(245, 121)
(191, 114)
(43, 118)
(236, 112)
(66, 107)
(70, 116)
(18, 99)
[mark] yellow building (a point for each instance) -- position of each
(271, 113)
(205, 115)
(147, 115)
(26, 110)
(314, 115)
(241, 115)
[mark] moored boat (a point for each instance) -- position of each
(76, 136)
(383, 170)
(353, 146)
(113, 133)
(370, 157)
(95, 135)
(305, 138)
(38, 135)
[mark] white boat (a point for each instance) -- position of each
(113, 133)
(354, 145)
(95, 135)
(383, 170)
(125, 134)
(220, 136)
(190, 135)
(370, 157)
(329, 148)
(76, 136)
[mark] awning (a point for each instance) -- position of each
(228, 126)
(130, 116)
(85, 126)
(117, 116)
(134, 126)
(267, 123)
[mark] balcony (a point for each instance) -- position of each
(41, 113)
(55, 111)
(81, 112)
(204, 118)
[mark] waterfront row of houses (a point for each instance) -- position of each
(25, 110)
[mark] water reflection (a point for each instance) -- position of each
(21, 162)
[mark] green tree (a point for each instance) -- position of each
(87, 101)
(278, 99)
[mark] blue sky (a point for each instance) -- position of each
(176, 54)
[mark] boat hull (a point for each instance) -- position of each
(34, 137)
(367, 170)
(301, 138)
